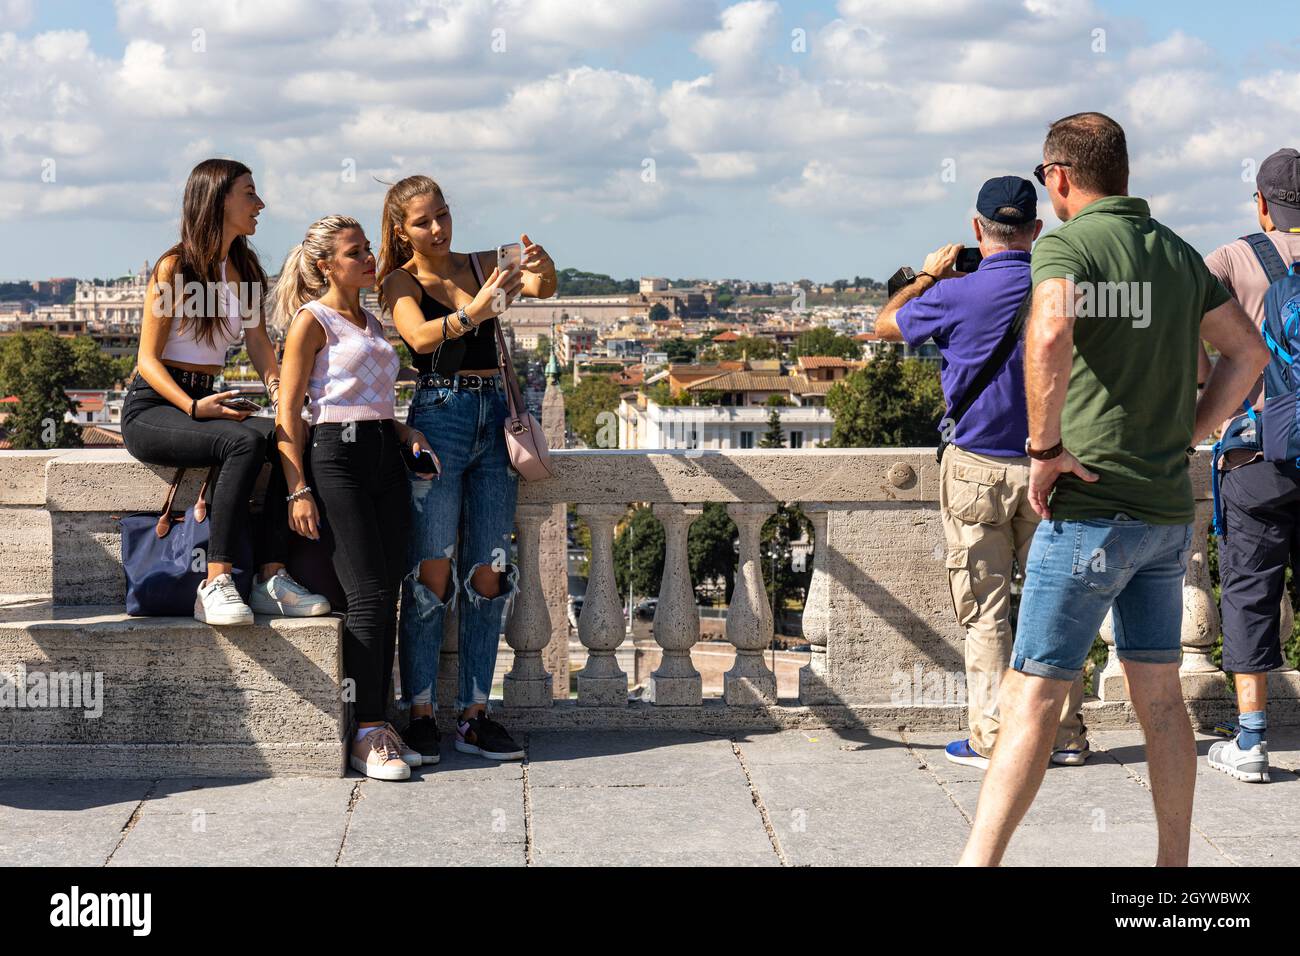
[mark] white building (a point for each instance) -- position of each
(646, 424)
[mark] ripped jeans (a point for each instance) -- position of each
(474, 498)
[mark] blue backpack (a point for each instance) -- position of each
(1273, 429)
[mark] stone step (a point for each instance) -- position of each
(167, 696)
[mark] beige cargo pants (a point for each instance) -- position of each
(989, 524)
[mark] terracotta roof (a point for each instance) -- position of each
(92, 436)
(744, 382)
(826, 361)
(727, 337)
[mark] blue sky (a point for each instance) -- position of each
(859, 153)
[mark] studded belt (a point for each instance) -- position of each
(459, 381)
(188, 379)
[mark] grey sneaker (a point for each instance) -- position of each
(218, 602)
(1248, 765)
(281, 595)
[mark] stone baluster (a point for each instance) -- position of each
(750, 682)
(1110, 683)
(601, 628)
(814, 681)
(1199, 676)
(676, 682)
(529, 629)
(1200, 627)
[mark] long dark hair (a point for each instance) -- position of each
(393, 251)
(199, 249)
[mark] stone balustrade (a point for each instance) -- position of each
(885, 649)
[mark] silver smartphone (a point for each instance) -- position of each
(510, 256)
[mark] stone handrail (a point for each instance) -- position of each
(878, 614)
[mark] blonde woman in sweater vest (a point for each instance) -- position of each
(350, 472)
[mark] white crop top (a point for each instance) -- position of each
(182, 344)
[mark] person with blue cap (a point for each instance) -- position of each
(975, 319)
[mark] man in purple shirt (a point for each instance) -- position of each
(984, 476)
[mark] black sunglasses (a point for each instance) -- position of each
(1042, 168)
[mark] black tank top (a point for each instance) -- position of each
(478, 349)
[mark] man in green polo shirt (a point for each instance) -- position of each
(1120, 305)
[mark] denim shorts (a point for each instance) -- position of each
(1077, 571)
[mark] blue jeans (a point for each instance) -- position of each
(1079, 570)
(473, 498)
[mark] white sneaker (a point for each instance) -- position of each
(1248, 765)
(281, 595)
(218, 602)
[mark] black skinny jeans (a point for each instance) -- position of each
(362, 491)
(158, 433)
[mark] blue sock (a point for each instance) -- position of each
(1252, 725)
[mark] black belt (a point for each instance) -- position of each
(187, 379)
(459, 381)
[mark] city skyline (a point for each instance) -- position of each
(756, 140)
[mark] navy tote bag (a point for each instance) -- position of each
(164, 556)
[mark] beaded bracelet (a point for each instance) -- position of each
(305, 489)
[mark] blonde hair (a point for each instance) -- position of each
(301, 279)
(393, 250)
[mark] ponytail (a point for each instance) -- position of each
(301, 279)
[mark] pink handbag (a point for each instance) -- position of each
(524, 439)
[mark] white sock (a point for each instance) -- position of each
(362, 731)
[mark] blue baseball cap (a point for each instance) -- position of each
(1008, 199)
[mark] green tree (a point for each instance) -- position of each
(679, 351)
(750, 346)
(37, 367)
(774, 437)
(591, 411)
(543, 350)
(822, 341)
(92, 367)
(659, 313)
(711, 547)
(639, 546)
(404, 355)
(888, 403)
(122, 369)
(779, 533)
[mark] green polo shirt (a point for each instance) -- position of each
(1129, 412)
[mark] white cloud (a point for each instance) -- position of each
(736, 49)
(857, 130)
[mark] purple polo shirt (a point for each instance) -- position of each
(967, 317)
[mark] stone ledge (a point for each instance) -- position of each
(108, 761)
(254, 700)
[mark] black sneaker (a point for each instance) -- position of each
(487, 738)
(422, 736)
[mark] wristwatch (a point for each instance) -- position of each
(1047, 454)
(463, 318)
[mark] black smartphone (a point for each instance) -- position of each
(241, 404)
(968, 260)
(422, 464)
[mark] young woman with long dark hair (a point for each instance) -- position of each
(445, 304)
(353, 477)
(205, 291)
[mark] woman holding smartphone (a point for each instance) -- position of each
(445, 310)
(335, 353)
(192, 314)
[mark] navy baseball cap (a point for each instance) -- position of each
(1008, 199)
(1279, 182)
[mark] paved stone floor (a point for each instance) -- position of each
(793, 798)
